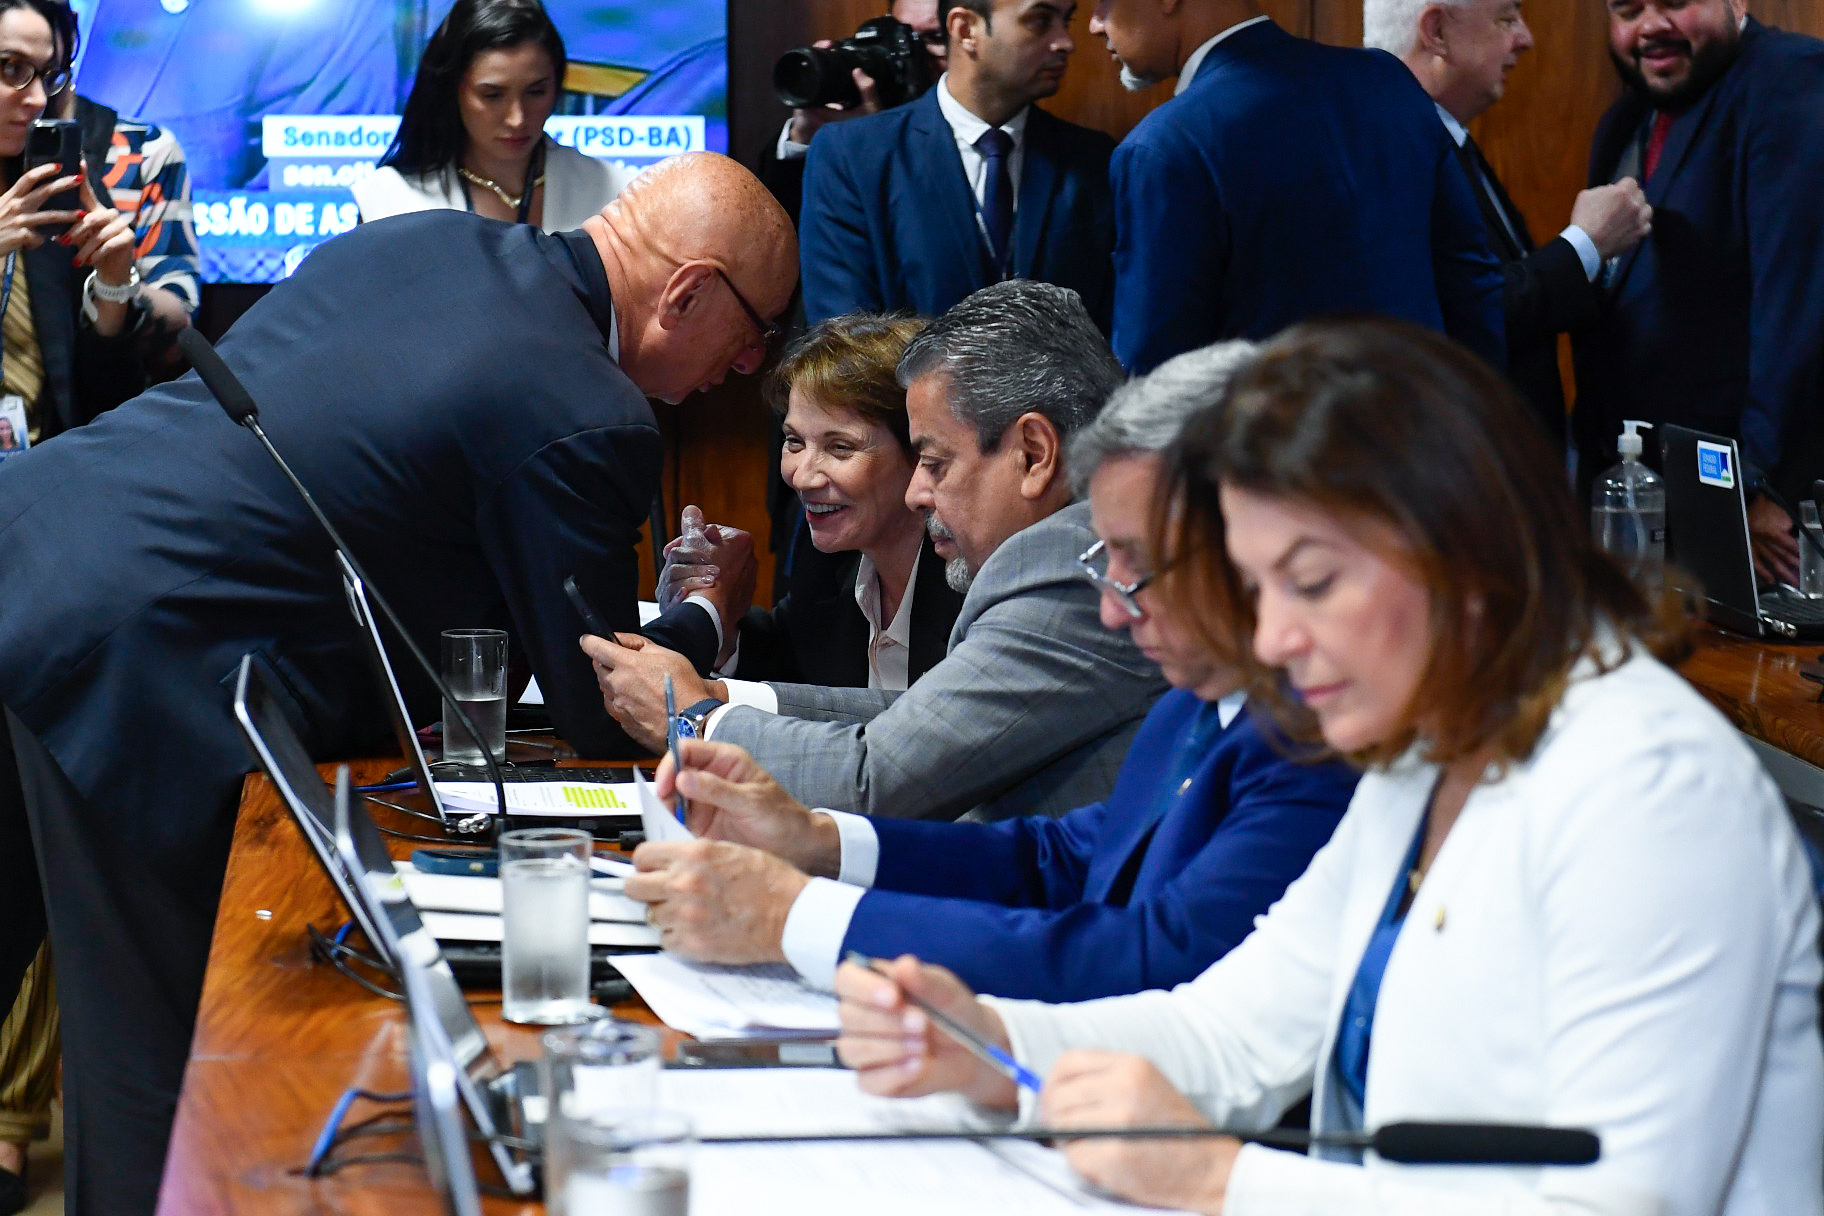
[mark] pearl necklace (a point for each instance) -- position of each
(499, 191)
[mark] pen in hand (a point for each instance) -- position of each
(997, 1058)
(671, 742)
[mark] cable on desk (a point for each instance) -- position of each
(331, 1134)
(406, 810)
(333, 950)
(386, 786)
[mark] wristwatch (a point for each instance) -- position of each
(113, 295)
(692, 718)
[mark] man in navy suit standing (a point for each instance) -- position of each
(917, 207)
(1716, 320)
(1207, 824)
(1283, 180)
(1461, 51)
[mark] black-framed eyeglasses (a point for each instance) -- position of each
(18, 72)
(1094, 562)
(935, 38)
(768, 329)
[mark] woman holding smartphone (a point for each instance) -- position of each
(1564, 893)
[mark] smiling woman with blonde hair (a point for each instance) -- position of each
(1564, 893)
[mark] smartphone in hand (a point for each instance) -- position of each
(57, 141)
(592, 621)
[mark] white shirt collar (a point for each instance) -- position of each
(1457, 130)
(889, 648)
(1229, 706)
(966, 125)
(1188, 72)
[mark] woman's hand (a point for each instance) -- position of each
(22, 211)
(102, 238)
(1108, 1089)
(733, 798)
(897, 1050)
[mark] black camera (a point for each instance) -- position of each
(888, 50)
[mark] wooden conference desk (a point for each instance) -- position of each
(279, 1037)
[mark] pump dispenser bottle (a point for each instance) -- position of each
(1628, 512)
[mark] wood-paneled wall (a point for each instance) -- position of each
(1537, 138)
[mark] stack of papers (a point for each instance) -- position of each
(715, 1002)
(584, 799)
(884, 1178)
(466, 909)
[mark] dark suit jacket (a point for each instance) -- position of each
(1144, 890)
(889, 221)
(817, 635)
(442, 384)
(1291, 180)
(1544, 293)
(1716, 320)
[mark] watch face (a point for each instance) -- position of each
(687, 726)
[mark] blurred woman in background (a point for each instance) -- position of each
(472, 137)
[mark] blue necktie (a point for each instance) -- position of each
(996, 147)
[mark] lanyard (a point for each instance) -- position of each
(6, 300)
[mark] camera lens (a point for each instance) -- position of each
(813, 76)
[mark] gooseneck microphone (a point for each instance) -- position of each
(1409, 1143)
(238, 404)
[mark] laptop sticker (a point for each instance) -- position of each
(1714, 465)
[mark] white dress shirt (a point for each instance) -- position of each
(889, 646)
(1188, 72)
(1619, 933)
(820, 916)
(1578, 238)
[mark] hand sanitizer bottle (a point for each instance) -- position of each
(1628, 512)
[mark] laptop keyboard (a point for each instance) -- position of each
(1784, 607)
(517, 776)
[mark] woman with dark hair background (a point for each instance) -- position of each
(69, 354)
(1564, 893)
(472, 135)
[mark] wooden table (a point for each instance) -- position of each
(279, 1037)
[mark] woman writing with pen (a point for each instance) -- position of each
(1564, 892)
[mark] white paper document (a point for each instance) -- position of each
(584, 799)
(476, 927)
(914, 1178)
(464, 893)
(717, 1002)
(659, 823)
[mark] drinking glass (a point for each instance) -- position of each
(475, 669)
(544, 945)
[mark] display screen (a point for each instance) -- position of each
(281, 105)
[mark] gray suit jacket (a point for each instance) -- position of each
(1030, 712)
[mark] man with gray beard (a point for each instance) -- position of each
(1033, 707)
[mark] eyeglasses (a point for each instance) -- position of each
(768, 329)
(18, 73)
(935, 38)
(1094, 562)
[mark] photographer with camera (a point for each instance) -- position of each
(968, 184)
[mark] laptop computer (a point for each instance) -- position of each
(439, 1012)
(437, 1116)
(1707, 530)
(604, 826)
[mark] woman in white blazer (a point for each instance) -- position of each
(1565, 893)
(472, 134)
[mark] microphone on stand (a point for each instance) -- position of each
(239, 405)
(1410, 1143)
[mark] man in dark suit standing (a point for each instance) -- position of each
(1461, 52)
(466, 399)
(1283, 180)
(1716, 320)
(916, 207)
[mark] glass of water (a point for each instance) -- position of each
(475, 668)
(607, 1065)
(625, 1162)
(544, 945)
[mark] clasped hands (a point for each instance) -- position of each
(896, 1050)
(724, 897)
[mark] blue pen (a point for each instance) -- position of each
(672, 733)
(997, 1058)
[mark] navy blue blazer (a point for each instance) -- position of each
(1144, 890)
(1290, 180)
(1716, 319)
(889, 221)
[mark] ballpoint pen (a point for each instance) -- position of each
(997, 1058)
(671, 744)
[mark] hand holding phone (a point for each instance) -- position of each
(57, 141)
